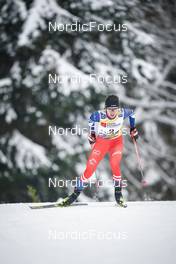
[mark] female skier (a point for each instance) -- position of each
(106, 137)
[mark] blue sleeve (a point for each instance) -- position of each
(95, 117)
(130, 113)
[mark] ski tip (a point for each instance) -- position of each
(34, 207)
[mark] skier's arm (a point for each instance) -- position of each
(133, 130)
(92, 127)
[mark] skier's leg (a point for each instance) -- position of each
(99, 150)
(115, 153)
(115, 159)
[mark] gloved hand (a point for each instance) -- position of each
(92, 138)
(134, 133)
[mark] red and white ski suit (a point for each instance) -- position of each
(108, 140)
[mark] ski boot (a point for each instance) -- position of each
(119, 198)
(72, 198)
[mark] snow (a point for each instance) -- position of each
(29, 154)
(152, 176)
(5, 82)
(3, 158)
(141, 36)
(147, 72)
(100, 232)
(22, 8)
(62, 145)
(10, 115)
(71, 79)
(98, 5)
(148, 103)
(36, 21)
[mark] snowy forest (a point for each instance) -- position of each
(30, 52)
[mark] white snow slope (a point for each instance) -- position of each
(102, 233)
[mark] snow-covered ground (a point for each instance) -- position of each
(145, 232)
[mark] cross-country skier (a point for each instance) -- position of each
(106, 137)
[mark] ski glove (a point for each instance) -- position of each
(92, 138)
(134, 133)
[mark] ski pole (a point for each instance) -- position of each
(97, 186)
(144, 183)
